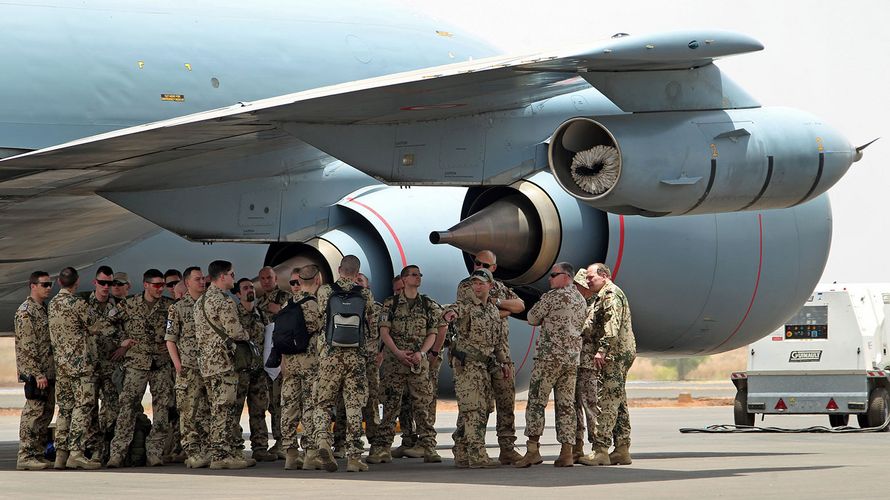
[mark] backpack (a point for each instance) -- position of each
(345, 317)
(290, 335)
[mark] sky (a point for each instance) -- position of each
(828, 58)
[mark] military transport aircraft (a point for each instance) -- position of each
(292, 132)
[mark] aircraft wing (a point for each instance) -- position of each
(633, 71)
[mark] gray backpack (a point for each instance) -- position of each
(346, 317)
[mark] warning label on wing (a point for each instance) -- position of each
(805, 356)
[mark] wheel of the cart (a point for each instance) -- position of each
(740, 410)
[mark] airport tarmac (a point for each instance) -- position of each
(667, 464)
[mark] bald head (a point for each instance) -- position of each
(268, 279)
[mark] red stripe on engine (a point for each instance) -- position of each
(756, 285)
(617, 265)
(388, 227)
(531, 342)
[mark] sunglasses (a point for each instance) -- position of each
(104, 282)
(553, 275)
(482, 264)
(118, 283)
(156, 285)
(172, 284)
(45, 284)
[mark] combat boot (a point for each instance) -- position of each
(31, 464)
(327, 457)
(61, 459)
(509, 455)
(483, 462)
(399, 452)
(416, 451)
(578, 450)
(277, 451)
(378, 455)
(154, 461)
(460, 457)
(261, 455)
(532, 454)
(565, 458)
(339, 452)
(77, 460)
(294, 459)
(113, 462)
(355, 464)
(312, 461)
(599, 456)
(621, 455)
(431, 456)
(228, 463)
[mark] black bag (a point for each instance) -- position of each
(290, 335)
(31, 390)
(345, 317)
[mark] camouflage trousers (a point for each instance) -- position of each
(503, 398)
(254, 389)
(275, 406)
(406, 413)
(160, 383)
(552, 375)
(222, 390)
(370, 413)
(472, 385)
(341, 371)
(75, 397)
(394, 377)
(613, 419)
(34, 424)
(585, 404)
(104, 413)
(298, 375)
(194, 411)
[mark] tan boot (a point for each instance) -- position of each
(113, 462)
(621, 455)
(399, 452)
(327, 457)
(599, 456)
(31, 464)
(460, 457)
(311, 461)
(416, 451)
(578, 450)
(566, 457)
(154, 461)
(509, 455)
(432, 456)
(277, 451)
(379, 455)
(61, 459)
(355, 464)
(261, 455)
(76, 460)
(532, 455)
(228, 463)
(293, 459)
(484, 462)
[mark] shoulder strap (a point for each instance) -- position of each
(225, 338)
(395, 304)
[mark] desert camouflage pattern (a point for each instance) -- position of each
(180, 330)
(547, 376)
(72, 334)
(254, 390)
(146, 322)
(298, 376)
(221, 310)
(33, 356)
(276, 296)
(560, 313)
(75, 396)
(585, 403)
(193, 404)
(222, 389)
(162, 400)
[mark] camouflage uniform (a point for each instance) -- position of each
(342, 371)
(481, 337)
(254, 387)
(370, 412)
(410, 323)
(611, 323)
(561, 313)
(34, 356)
(585, 385)
(298, 376)
(503, 389)
(147, 363)
(191, 391)
(74, 351)
(280, 297)
(217, 367)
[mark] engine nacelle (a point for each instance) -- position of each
(678, 163)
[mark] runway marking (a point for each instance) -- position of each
(392, 232)
(756, 284)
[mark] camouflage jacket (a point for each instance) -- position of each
(181, 330)
(609, 321)
(498, 291)
(146, 322)
(109, 323)
(72, 333)
(213, 353)
(276, 296)
(33, 348)
(560, 313)
(324, 294)
(411, 321)
(479, 330)
(254, 323)
(372, 339)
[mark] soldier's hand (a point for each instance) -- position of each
(379, 359)
(177, 366)
(128, 343)
(416, 358)
(507, 369)
(118, 353)
(404, 357)
(599, 360)
(42, 382)
(449, 316)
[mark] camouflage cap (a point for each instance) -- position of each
(482, 275)
(581, 277)
(121, 278)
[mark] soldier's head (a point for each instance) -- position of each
(222, 274)
(245, 290)
(194, 281)
(172, 278)
(411, 276)
(120, 286)
(397, 285)
(481, 280)
(41, 285)
(349, 267)
(69, 278)
(486, 259)
(103, 281)
(153, 283)
(307, 278)
(598, 275)
(268, 279)
(561, 275)
(362, 280)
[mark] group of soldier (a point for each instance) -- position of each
(94, 354)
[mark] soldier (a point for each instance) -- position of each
(561, 313)
(172, 278)
(609, 318)
(478, 345)
(74, 352)
(585, 385)
(107, 312)
(216, 325)
(120, 286)
(269, 304)
(502, 381)
(342, 369)
(191, 391)
(409, 325)
(253, 386)
(299, 373)
(34, 358)
(147, 363)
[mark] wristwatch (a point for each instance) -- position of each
(434, 353)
